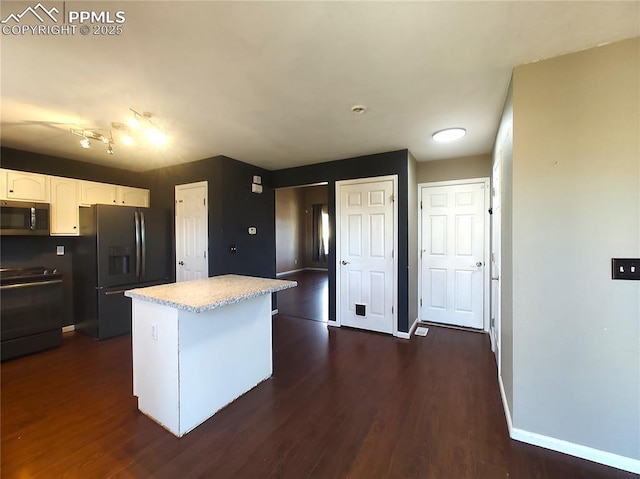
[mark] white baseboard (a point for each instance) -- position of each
(403, 335)
(565, 447)
(505, 405)
(68, 329)
(578, 450)
(283, 273)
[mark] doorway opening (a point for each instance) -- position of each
(302, 249)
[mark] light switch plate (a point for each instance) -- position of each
(60, 250)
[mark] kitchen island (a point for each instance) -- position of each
(198, 345)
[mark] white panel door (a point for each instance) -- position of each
(365, 255)
(452, 254)
(192, 231)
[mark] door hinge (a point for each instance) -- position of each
(393, 198)
(420, 301)
(204, 201)
(205, 254)
(421, 205)
(391, 309)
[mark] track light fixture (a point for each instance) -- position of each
(137, 128)
(152, 132)
(88, 135)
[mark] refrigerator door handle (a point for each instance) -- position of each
(137, 221)
(143, 251)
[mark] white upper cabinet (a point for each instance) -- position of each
(64, 206)
(3, 184)
(27, 186)
(128, 196)
(92, 193)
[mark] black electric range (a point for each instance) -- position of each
(30, 310)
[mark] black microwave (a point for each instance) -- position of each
(21, 218)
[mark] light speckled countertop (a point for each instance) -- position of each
(209, 293)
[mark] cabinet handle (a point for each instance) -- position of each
(10, 191)
(74, 227)
(114, 201)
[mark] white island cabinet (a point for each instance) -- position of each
(198, 345)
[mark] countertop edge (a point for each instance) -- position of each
(215, 305)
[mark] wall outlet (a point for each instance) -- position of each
(154, 332)
(60, 250)
(625, 268)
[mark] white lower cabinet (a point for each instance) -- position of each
(64, 206)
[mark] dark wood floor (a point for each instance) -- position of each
(310, 299)
(341, 404)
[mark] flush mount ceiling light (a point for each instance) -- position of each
(358, 109)
(448, 134)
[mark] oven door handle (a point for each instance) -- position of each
(111, 293)
(29, 285)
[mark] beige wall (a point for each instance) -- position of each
(455, 169)
(576, 204)
(312, 195)
(288, 229)
(294, 228)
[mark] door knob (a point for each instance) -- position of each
(479, 263)
(181, 263)
(344, 263)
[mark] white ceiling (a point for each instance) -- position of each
(272, 83)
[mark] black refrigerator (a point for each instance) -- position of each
(119, 248)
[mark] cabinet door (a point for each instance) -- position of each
(64, 206)
(27, 186)
(92, 193)
(133, 197)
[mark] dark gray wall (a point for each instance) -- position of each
(233, 208)
(391, 163)
(52, 165)
(20, 251)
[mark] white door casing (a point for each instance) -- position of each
(366, 238)
(192, 231)
(453, 248)
(496, 228)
